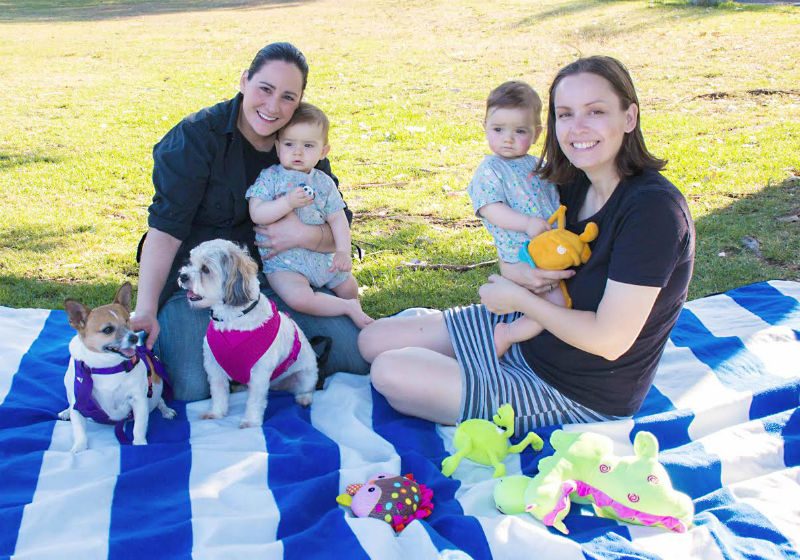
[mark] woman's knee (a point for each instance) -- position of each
(372, 340)
(384, 374)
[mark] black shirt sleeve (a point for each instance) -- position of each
(181, 170)
(651, 236)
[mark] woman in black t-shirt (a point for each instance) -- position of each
(597, 360)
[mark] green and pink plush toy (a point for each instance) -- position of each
(584, 469)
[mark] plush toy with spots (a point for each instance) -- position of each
(559, 249)
(398, 500)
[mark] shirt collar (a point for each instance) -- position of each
(233, 117)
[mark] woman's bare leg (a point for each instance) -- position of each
(392, 333)
(419, 382)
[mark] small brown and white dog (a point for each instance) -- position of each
(248, 340)
(106, 380)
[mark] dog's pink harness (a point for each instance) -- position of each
(238, 351)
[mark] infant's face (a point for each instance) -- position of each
(301, 146)
(510, 132)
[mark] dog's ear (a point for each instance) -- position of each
(77, 313)
(241, 269)
(123, 296)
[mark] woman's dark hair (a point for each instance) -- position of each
(286, 52)
(632, 158)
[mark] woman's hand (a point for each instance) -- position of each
(281, 235)
(537, 280)
(501, 295)
(148, 323)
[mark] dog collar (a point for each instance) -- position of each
(245, 312)
(125, 366)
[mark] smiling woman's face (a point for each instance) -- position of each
(270, 97)
(591, 124)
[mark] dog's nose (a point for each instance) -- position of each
(183, 277)
(133, 339)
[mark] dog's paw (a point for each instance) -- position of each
(248, 424)
(168, 413)
(211, 415)
(79, 446)
(139, 441)
(64, 414)
(303, 399)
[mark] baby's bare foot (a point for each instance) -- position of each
(357, 314)
(502, 338)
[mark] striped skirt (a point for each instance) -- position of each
(488, 382)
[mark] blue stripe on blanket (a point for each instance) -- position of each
(422, 451)
(685, 466)
(146, 500)
(766, 302)
(740, 531)
(27, 417)
(670, 428)
(303, 475)
(727, 356)
(786, 426)
(770, 305)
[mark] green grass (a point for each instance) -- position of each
(89, 86)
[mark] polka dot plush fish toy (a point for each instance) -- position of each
(398, 500)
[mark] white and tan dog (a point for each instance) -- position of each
(106, 380)
(248, 339)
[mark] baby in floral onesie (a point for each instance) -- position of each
(512, 201)
(296, 186)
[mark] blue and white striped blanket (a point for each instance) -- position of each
(724, 408)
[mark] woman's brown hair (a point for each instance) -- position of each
(633, 156)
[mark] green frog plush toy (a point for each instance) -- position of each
(488, 443)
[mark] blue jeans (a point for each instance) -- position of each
(180, 344)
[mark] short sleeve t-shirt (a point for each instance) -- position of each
(646, 238)
(512, 182)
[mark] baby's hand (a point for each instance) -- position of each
(536, 226)
(342, 262)
(298, 198)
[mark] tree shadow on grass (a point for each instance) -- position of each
(651, 15)
(96, 10)
(38, 239)
(9, 161)
(50, 294)
(571, 8)
(754, 238)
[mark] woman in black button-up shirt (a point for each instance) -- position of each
(202, 169)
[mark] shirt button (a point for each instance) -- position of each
(218, 205)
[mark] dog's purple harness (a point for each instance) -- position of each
(238, 351)
(87, 405)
